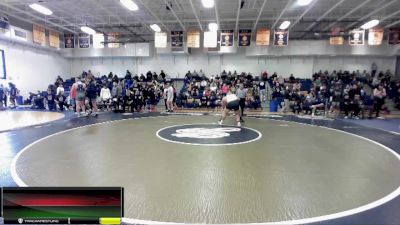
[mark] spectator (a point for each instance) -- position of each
(128, 75)
(241, 93)
(13, 94)
(3, 97)
(92, 95)
(50, 99)
(105, 96)
(379, 99)
(80, 97)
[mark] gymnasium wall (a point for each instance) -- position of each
(178, 65)
(32, 69)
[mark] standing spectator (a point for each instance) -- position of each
(165, 94)
(60, 100)
(92, 95)
(379, 99)
(80, 97)
(60, 89)
(72, 95)
(13, 94)
(241, 93)
(170, 98)
(262, 87)
(2, 97)
(105, 96)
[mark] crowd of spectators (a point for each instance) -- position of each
(201, 91)
(86, 93)
(335, 92)
(327, 93)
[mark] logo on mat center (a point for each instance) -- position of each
(208, 134)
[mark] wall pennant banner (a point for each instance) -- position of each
(113, 38)
(54, 39)
(336, 36)
(281, 37)
(336, 40)
(394, 36)
(176, 39)
(4, 24)
(227, 37)
(210, 39)
(375, 36)
(193, 39)
(84, 40)
(69, 41)
(263, 36)
(98, 40)
(39, 35)
(357, 37)
(244, 37)
(160, 39)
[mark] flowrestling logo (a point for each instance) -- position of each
(205, 132)
(208, 134)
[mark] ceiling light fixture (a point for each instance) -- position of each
(155, 27)
(303, 2)
(284, 25)
(88, 30)
(129, 4)
(213, 26)
(370, 24)
(208, 3)
(41, 9)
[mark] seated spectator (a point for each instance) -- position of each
(105, 96)
(379, 99)
(50, 100)
(128, 100)
(318, 103)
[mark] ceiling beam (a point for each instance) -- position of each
(259, 14)
(216, 13)
(238, 15)
(122, 22)
(36, 17)
(324, 15)
(154, 15)
(281, 14)
(176, 16)
(390, 15)
(304, 13)
(23, 19)
(346, 15)
(392, 24)
(195, 14)
(371, 13)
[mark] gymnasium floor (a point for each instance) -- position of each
(185, 168)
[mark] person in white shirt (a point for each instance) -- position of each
(170, 98)
(165, 92)
(60, 90)
(105, 96)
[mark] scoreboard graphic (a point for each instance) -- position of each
(56, 205)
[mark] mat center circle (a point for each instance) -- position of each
(208, 134)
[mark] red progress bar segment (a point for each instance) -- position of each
(60, 200)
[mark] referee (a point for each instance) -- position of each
(241, 93)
